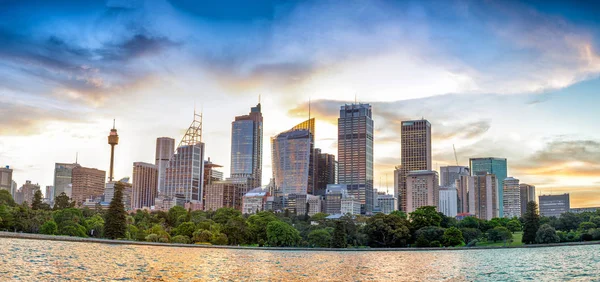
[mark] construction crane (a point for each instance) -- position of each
(455, 157)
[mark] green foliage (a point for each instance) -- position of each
(49, 228)
(514, 225)
(422, 242)
(71, 228)
(175, 214)
(236, 230)
(319, 217)
(546, 235)
(257, 226)
(435, 244)
(95, 226)
(152, 238)
(37, 203)
(499, 233)
(425, 216)
(593, 218)
(115, 224)
(62, 201)
(452, 237)
(585, 226)
(469, 222)
(338, 239)
(320, 238)
(7, 220)
(219, 239)
(6, 198)
(281, 234)
(387, 230)
(447, 222)
(470, 234)
(429, 234)
(185, 229)
(223, 215)
(202, 236)
(595, 233)
(531, 223)
(569, 221)
(180, 239)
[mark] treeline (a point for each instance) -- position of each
(424, 228)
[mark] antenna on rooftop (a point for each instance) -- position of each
(77, 156)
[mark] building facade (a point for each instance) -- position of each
(355, 153)
(247, 146)
(333, 198)
(144, 185)
(184, 179)
(512, 198)
(527, 193)
(415, 142)
(291, 155)
(485, 197)
(6, 179)
(448, 201)
(422, 189)
(254, 201)
(449, 174)
(496, 166)
(350, 205)
(227, 194)
(63, 174)
(464, 185)
(386, 203)
(165, 148)
(26, 192)
(554, 205)
(88, 183)
(326, 171)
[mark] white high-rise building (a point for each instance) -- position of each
(350, 205)
(448, 201)
(386, 203)
(512, 198)
(165, 147)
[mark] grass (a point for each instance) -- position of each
(517, 236)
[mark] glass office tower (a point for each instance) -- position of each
(246, 146)
(355, 153)
(496, 166)
(291, 152)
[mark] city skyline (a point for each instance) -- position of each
(520, 96)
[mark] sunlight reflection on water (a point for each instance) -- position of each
(34, 260)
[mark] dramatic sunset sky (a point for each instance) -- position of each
(495, 78)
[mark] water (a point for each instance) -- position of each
(34, 260)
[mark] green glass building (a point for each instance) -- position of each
(496, 166)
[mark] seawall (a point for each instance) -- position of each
(125, 242)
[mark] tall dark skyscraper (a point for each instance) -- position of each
(326, 171)
(415, 154)
(355, 153)
(247, 146)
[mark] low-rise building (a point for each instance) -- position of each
(554, 205)
(350, 205)
(386, 203)
(255, 200)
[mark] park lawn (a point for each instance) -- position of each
(517, 237)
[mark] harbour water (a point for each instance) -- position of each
(39, 260)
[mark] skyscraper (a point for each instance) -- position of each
(88, 183)
(485, 196)
(309, 125)
(449, 174)
(6, 178)
(184, 174)
(210, 175)
(145, 185)
(326, 171)
(512, 198)
(464, 185)
(63, 174)
(422, 189)
(527, 195)
(355, 153)
(26, 193)
(415, 140)
(496, 166)
(165, 148)
(448, 201)
(246, 146)
(291, 151)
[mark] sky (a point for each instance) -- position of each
(508, 79)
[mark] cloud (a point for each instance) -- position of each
(20, 119)
(561, 157)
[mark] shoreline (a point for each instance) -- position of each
(12, 235)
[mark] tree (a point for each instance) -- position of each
(499, 233)
(7, 221)
(185, 229)
(546, 235)
(320, 238)
(470, 234)
(62, 201)
(469, 222)
(95, 225)
(531, 223)
(36, 204)
(430, 234)
(452, 237)
(257, 226)
(569, 221)
(281, 234)
(202, 236)
(180, 239)
(338, 239)
(425, 216)
(514, 225)
(236, 230)
(115, 223)
(223, 215)
(6, 198)
(49, 228)
(585, 226)
(387, 230)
